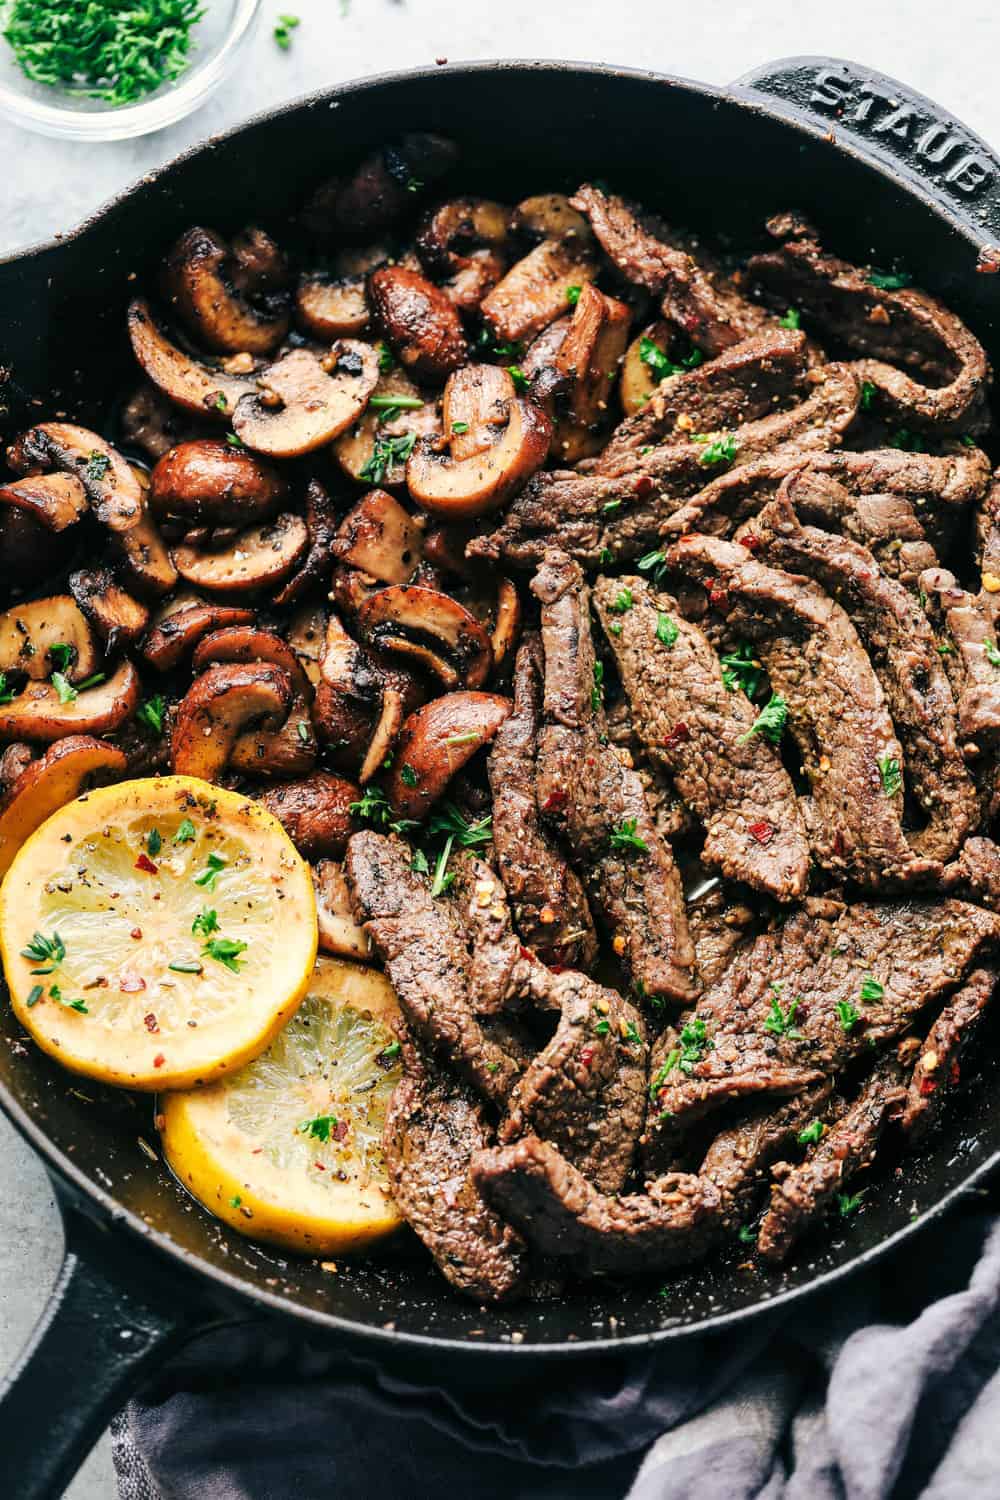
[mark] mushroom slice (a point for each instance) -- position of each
(375, 449)
(39, 714)
(551, 216)
(348, 697)
(433, 629)
(535, 291)
(118, 618)
(306, 634)
(218, 707)
(331, 308)
(419, 321)
(189, 382)
(315, 813)
(259, 558)
(338, 931)
(67, 768)
(54, 500)
(181, 624)
(464, 241)
(211, 483)
(228, 296)
(314, 569)
(15, 759)
(510, 439)
(282, 753)
(381, 189)
(640, 378)
(588, 361)
(28, 552)
(436, 742)
(507, 624)
(381, 538)
(48, 635)
(304, 402)
(248, 643)
(150, 422)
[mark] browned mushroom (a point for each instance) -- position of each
(149, 421)
(14, 759)
(249, 643)
(191, 383)
(230, 297)
(639, 378)
(280, 754)
(507, 621)
(306, 634)
(375, 449)
(381, 538)
(464, 241)
(211, 483)
(315, 813)
(54, 500)
(338, 931)
(47, 635)
(259, 558)
(330, 308)
(537, 289)
(29, 552)
(181, 624)
(381, 188)
(419, 321)
(350, 589)
(587, 363)
(218, 707)
(62, 773)
(438, 740)
(42, 713)
(360, 703)
(118, 618)
(471, 471)
(314, 568)
(304, 403)
(431, 628)
(551, 216)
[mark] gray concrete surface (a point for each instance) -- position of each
(947, 51)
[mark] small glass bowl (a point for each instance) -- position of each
(216, 42)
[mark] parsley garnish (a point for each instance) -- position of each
(573, 295)
(610, 506)
(318, 1128)
(694, 1044)
(871, 989)
(152, 713)
(185, 833)
(512, 350)
(605, 557)
(848, 1204)
(234, 441)
(459, 428)
(631, 1034)
(867, 395)
(602, 1027)
(909, 442)
(892, 776)
(391, 406)
(387, 452)
(409, 775)
(626, 837)
(385, 359)
(792, 319)
(623, 602)
(811, 1134)
(34, 995)
(741, 670)
(154, 842)
(992, 654)
(666, 631)
(226, 951)
(718, 450)
(521, 381)
(457, 830)
(654, 563)
(770, 722)
(235, 1201)
(659, 365)
(183, 967)
(747, 1235)
(302, 732)
(7, 694)
(781, 1022)
(597, 691)
(283, 31)
(62, 655)
(209, 876)
(55, 993)
(373, 806)
(48, 951)
(847, 1015)
(206, 922)
(889, 281)
(65, 689)
(390, 1053)
(98, 465)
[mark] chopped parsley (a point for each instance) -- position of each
(792, 319)
(65, 689)
(889, 281)
(98, 465)
(452, 739)
(226, 951)
(49, 951)
(770, 722)
(521, 381)
(235, 1201)
(208, 877)
(848, 1203)
(654, 563)
(456, 829)
(890, 773)
(183, 966)
(154, 842)
(185, 833)
(318, 1128)
(909, 442)
(512, 350)
(606, 557)
(625, 837)
(283, 31)
(391, 406)
(610, 506)
(657, 362)
(409, 775)
(602, 1026)
(385, 359)
(206, 922)
(234, 441)
(718, 450)
(747, 1235)
(302, 732)
(780, 1022)
(867, 395)
(7, 694)
(740, 669)
(812, 1133)
(666, 631)
(573, 295)
(373, 807)
(459, 429)
(597, 691)
(623, 602)
(152, 713)
(34, 995)
(386, 454)
(694, 1043)
(55, 993)
(847, 1015)
(631, 1034)
(871, 990)
(992, 654)
(62, 655)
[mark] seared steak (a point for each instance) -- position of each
(738, 1158)
(971, 632)
(937, 1070)
(718, 930)
(888, 525)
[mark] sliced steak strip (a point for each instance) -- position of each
(743, 384)
(426, 956)
(433, 1128)
(561, 1214)
(988, 540)
(903, 651)
(975, 874)
(719, 930)
(936, 1071)
(970, 625)
(688, 722)
(892, 328)
(602, 519)
(496, 961)
(585, 1092)
(597, 803)
(803, 1192)
(710, 312)
(549, 905)
(888, 525)
(836, 707)
(738, 1158)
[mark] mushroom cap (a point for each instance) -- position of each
(306, 403)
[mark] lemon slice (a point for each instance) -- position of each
(156, 934)
(289, 1149)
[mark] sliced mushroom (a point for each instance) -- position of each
(38, 714)
(432, 628)
(639, 378)
(304, 402)
(218, 707)
(306, 634)
(419, 321)
(381, 538)
(260, 557)
(360, 703)
(588, 362)
(315, 813)
(331, 307)
(375, 449)
(507, 440)
(191, 383)
(551, 216)
(282, 753)
(321, 527)
(249, 643)
(150, 422)
(438, 740)
(118, 618)
(15, 759)
(381, 189)
(464, 241)
(338, 931)
(181, 624)
(211, 483)
(47, 784)
(229, 297)
(535, 291)
(54, 500)
(29, 631)
(507, 624)
(28, 552)
(350, 589)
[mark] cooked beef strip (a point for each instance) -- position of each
(718, 930)
(937, 1067)
(561, 1214)
(550, 908)
(902, 649)
(988, 539)
(975, 874)
(836, 707)
(496, 961)
(426, 956)
(888, 525)
(741, 385)
(737, 1159)
(585, 1092)
(599, 520)
(433, 1127)
(971, 630)
(897, 330)
(687, 720)
(711, 312)
(597, 803)
(803, 1192)
(782, 1015)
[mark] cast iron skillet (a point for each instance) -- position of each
(887, 175)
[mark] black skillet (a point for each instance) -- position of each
(889, 177)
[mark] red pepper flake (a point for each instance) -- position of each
(319, 1166)
(954, 1074)
(762, 832)
(150, 1022)
(145, 863)
(988, 263)
(718, 596)
(339, 1131)
(131, 984)
(159, 1060)
(751, 541)
(839, 846)
(587, 1057)
(679, 735)
(644, 485)
(692, 323)
(555, 800)
(927, 1086)
(136, 933)
(527, 953)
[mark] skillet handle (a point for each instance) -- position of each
(897, 128)
(102, 1329)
